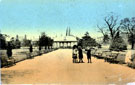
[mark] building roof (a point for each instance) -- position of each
(65, 38)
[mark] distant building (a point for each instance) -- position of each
(66, 41)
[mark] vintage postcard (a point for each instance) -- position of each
(61, 42)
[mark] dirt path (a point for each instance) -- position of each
(57, 67)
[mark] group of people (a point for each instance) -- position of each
(78, 54)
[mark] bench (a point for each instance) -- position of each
(107, 57)
(10, 61)
(113, 57)
(121, 58)
(104, 55)
(98, 54)
(132, 63)
(93, 52)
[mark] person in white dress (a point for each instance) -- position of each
(74, 56)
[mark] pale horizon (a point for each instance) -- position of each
(35, 35)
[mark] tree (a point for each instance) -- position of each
(106, 39)
(112, 30)
(12, 42)
(46, 41)
(26, 42)
(118, 43)
(105, 35)
(111, 26)
(50, 42)
(87, 41)
(43, 39)
(129, 26)
(17, 42)
(2, 42)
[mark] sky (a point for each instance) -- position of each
(31, 17)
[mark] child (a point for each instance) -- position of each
(80, 53)
(74, 54)
(89, 55)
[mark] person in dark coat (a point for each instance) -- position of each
(89, 55)
(9, 54)
(80, 54)
(40, 50)
(31, 50)
(9, 50)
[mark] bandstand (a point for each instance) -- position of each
(66, 42)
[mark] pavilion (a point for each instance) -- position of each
(66, 41)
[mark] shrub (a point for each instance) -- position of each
(118, 44)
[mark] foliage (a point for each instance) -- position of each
(44, 40)
(2, 42)
(118, 43)
(110, 28)
(26, 42)
(87, 41)
(15, 43)
(106, 39)
(35, 43)
(128, 25)
(131, 39)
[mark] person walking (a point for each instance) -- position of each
(74, 56)
(80, 54)
(89, 55)
(9, 54)
(9, 50)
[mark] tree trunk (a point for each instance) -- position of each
(132, 42)
(132, 47)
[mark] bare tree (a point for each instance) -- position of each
(101, 29)
(111, 27)
(105, 34)
(129, 26)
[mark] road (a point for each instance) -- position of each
(57, 67)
